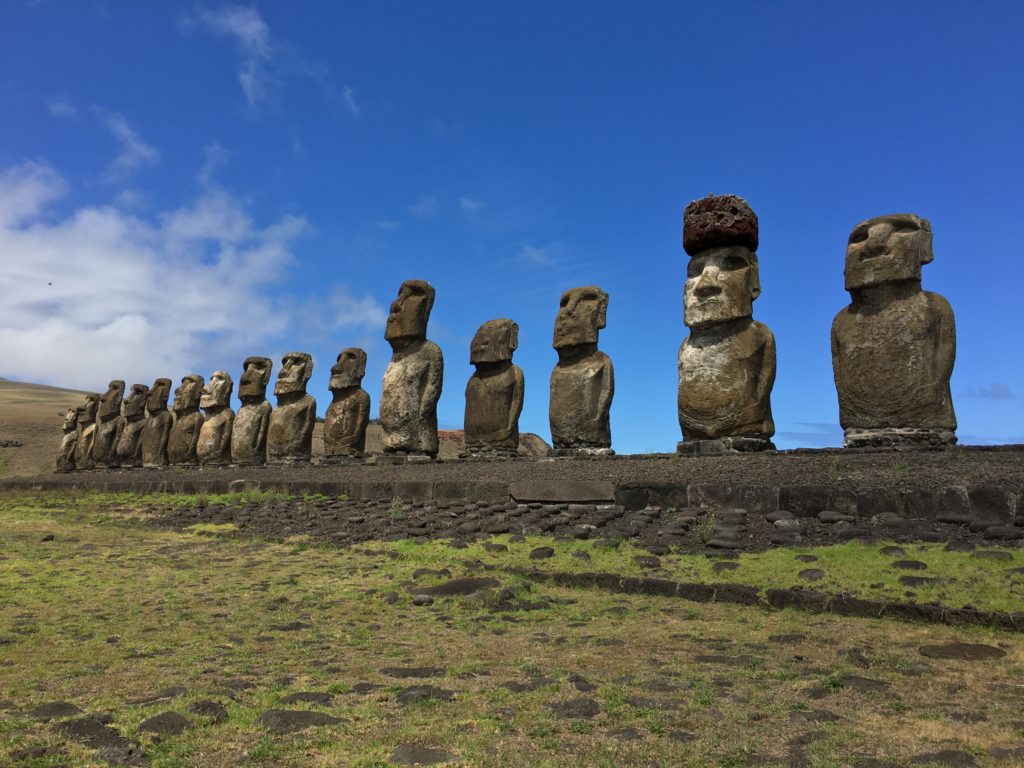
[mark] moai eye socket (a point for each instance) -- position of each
(859, 235)
(732, 263)
(695, 267)
(906, 226)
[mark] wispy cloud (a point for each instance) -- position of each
(994, 391)
(424, 207)
(348, 97)
(470, 207)
(387, 224)
(134, 152)
(533, 254)
(61, 109)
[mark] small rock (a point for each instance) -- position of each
(55, 710)
(417, 693)
(806, 558)
(542, 553)
(831, 516)
(724, 565)
(165, 724)
(290, 720)
(422, 600)
(910, 565)
(892, 551)
(207, 708)
(994, 554)
(410, 754)
(576, 708)
(308, 697)
(811, 574)
(962, 651)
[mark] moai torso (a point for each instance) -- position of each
(723, 390)
(249, 430)
(583, 381)
(188, 420)
(290, 435)
(494, 400)
(69, 439)
(893, 347)
(86, 433)
(132, 423)
(408, 406)
(214, 442)
(727, 363)
(413, 379)
(349, 413)
(158, 425)
(108, 418)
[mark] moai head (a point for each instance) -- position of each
(581, 314)
(255, 377)
(158, 395)
(217, 392)
(887, 249)
(495, 341)
(410, 311)
(135, 403)
(110, 404)
(186, 396)
(722, 280)
(70, 420)
(349, 370)
(296, 368)
(87, 410)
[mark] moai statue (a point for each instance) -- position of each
(727, 363)
(583, 382)
(108, 417)
(86, 432)
(133, 421)
(893, 347)
(249, 433)
(158, 425)
(412, 381)
(66, 453)
(494, 393)
(188, 420)
(214, 446)
(349, 413)
(290, 436)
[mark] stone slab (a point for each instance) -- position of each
(563, 491)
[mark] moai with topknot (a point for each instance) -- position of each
(349, 412)
(158, 425)
(108, 418)
(133, 422)
(290, 435)
(413, 379)
(249, 432)
(214, 445)
(727, 363)
(893, 347)
(494, 393)
(583, 381)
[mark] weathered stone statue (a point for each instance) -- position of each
(158, 425)
(129, 433)
(893, 347)
(290, 436)
(68, 441)
(412, 381)
(727, 363)
(86, 432)
(349, 413)
(249, 433)
(494, 394)
(108, 417)
(583, 382)
(214, 446)
(188, 420)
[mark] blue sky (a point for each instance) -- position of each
(185, 185)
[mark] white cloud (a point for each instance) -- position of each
(61, 109)
(470, 208)
(387, 224)
(349, 98)
(255, 49)
(134, 152)
(533, 254)
(101, 292)
(424, 207)
(994, 391)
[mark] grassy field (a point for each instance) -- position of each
(125, 622)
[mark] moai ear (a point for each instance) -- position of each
(755, 277)
(602, 309)
(926, 234)
(513, 337)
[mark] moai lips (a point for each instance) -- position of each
(727, 363)
(349, 412)
(249, 431)
(494, 393)
(894, 346)
(413, 379)
(583, 381)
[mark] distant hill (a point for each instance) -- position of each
(31, 415)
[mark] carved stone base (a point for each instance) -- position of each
(489, 453)
(898, 437)
(725, 445)
(580, 452)
(291, 461)
(401, 457)
(343, 458)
